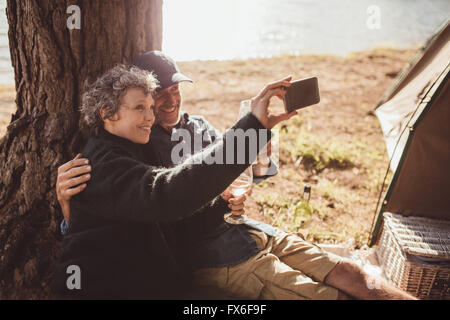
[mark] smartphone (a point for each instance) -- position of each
(302, 93)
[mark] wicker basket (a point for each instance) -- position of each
(414, 254)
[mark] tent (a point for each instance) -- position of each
(415, 119)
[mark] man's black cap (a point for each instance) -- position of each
(164, 68)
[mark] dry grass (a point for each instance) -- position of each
(336, 146)
(7, 106)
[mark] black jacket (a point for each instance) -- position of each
(114, 235)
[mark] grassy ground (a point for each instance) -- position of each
(336, 146)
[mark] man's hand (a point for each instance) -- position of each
(72, 178)
(236, 204)
(260, 103)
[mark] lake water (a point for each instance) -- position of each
(240, 29)
(216, 29)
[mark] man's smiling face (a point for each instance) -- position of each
(167, 106)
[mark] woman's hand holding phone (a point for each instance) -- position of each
(260, 103)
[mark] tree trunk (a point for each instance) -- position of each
(51, 63)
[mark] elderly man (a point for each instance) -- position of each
(252, 260)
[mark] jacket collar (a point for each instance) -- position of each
(129, 145)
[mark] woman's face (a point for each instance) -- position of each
(135, 117)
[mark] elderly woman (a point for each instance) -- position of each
(114, 238)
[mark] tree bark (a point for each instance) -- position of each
(51, 65)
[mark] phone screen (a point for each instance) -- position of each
(302, 93)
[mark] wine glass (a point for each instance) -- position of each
(244, 108)
(237, 188)
(244, 182)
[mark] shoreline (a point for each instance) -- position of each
(318, 55)
(11, 85)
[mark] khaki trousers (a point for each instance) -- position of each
(286, 268)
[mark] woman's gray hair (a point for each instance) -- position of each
(107, 90)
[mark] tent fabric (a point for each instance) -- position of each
(422, 187)
(412, 96)
(415, 120)
(425, 54)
